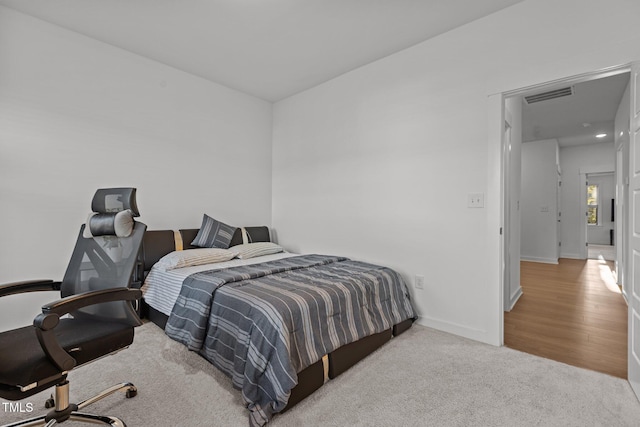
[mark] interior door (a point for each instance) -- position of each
(634, 232)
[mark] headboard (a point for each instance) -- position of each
(158, 243)
(254, 234)
(155, 245)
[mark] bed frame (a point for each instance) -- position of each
(158, 243)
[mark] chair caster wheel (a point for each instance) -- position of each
(49, 403)
(131, 393)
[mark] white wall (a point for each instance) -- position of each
(539, 236)
(576, 161)
(377, 163)
(77, 114)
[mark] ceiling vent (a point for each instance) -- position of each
(552, 94)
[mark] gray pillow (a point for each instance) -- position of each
(213, 234)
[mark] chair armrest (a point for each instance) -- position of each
(46, 321)
(28, 286)
(74, 302)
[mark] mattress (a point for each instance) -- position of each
(161, 288)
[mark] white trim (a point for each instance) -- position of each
(591, 170)
(578, 78)
(571, 256)
(494, 205)
(515, 297)
(582, 197)
(506, 206)
(539, 259)
(453, 328)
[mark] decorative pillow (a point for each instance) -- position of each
(213, 234)
(251, 250)
(109, 224)
(190, 257)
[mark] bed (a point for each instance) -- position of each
(279, 324)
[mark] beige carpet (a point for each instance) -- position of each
(422, 378)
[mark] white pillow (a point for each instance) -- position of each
(251, 250)
(190, 257)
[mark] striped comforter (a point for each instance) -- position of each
(261, 324)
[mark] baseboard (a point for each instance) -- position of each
(457, 329)
(538, 259)
(572, 256)
(514, 298)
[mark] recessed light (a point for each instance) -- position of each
(601, 135)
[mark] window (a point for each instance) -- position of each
(593, 213)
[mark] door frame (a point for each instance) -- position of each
(498, 175)
(620, 220)
(506, 231)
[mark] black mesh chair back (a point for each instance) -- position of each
(104, 262)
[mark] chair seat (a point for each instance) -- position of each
(23, 362)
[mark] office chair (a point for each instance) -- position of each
(97, 293)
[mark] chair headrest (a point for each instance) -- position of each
(109, 200)
(113, 212)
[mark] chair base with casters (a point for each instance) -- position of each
(64, 411)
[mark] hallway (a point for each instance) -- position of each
(572, 312)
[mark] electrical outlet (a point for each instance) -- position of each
(419, 281)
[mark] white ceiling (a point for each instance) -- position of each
(267, 48)
(578, 118)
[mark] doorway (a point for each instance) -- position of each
(600, 219)
(560, 257)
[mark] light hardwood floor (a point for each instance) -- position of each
(572, 312)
